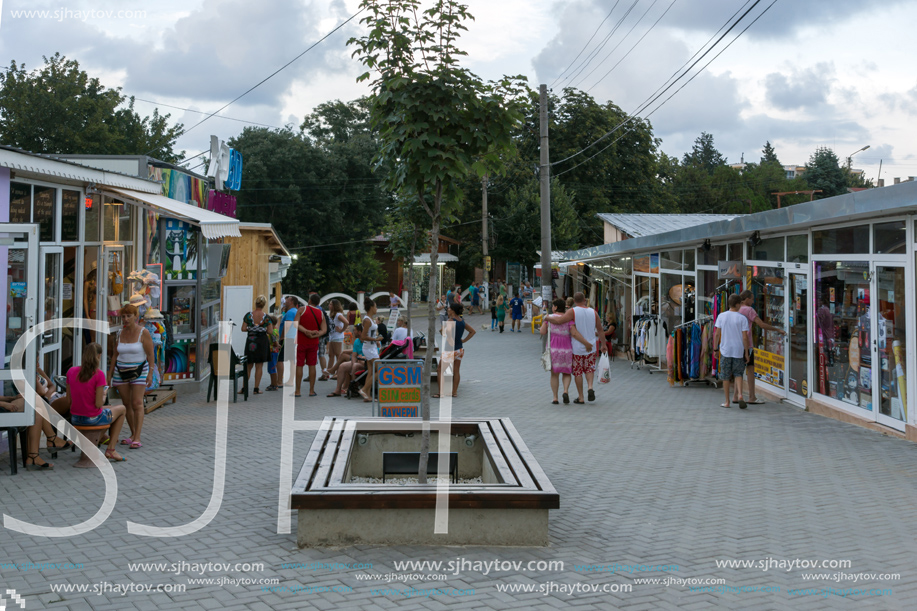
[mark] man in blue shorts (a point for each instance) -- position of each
(516, 306)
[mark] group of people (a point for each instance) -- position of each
(574, 359)
(84, 398)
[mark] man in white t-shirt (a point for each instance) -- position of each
(590, 327)
(731, 340)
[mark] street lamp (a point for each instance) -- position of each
(850, 156)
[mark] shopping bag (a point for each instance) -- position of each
(604, 369)
(546, 355)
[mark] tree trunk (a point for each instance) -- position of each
(432, 295)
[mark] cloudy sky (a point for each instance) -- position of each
(834, 73)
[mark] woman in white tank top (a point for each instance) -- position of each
(336, 339)
(129, 371)
(371, 341)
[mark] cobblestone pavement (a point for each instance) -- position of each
(648, 475)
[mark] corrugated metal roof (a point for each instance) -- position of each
(639, 225)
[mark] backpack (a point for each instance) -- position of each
(328, 325)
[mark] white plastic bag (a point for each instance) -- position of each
(604, 370)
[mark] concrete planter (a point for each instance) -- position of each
(510, 506)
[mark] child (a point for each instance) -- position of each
(501, 312)
(493, 314)
(275, 355)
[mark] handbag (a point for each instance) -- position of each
(130, 374)
(546, 355)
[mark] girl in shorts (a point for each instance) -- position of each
(86, 391)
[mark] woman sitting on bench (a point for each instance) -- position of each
(86, 390)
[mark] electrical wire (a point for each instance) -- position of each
(202, 112)
(269, 77)
(607, 39)
(551, 86)
(670, 82)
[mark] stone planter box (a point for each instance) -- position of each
(509, 507)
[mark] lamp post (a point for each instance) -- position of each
(850, 156)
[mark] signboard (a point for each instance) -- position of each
(397, 384)
(730, 270)
(393, 320)
(769, 367)
(487, 263)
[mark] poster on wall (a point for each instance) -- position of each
(769, 367)
(180, 251)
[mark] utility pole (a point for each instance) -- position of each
(545, 176)
(485, 244)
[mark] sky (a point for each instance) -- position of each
(834, 73)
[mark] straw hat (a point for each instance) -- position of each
(138, 300)
(153, 314)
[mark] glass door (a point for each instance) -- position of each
(889, 370)
(50, 297)
(114, 291)
(768, 285)
(797, 338)
(19, 305)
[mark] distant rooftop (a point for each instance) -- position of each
(640, 225)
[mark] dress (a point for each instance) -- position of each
(257, 344)
(501, 312)
(561, 348)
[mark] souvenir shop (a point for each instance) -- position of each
(81, 242)
(837, 275)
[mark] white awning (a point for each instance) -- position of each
(443, 257)
(213, 225)
(561, 265)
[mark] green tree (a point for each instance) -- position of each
(517, 222)
(436, 121)
(823, 172)
(704, 154)
(768, 154)
(322, 198)
(61, 109)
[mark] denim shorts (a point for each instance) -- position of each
(272, 364)
(104, 417)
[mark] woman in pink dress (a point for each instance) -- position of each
(562, 337)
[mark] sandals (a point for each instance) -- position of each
(725, 405)
(53, 447)
(334, 394)
(34, 466)
(566, 398)
(110, 455)
(578, 402)
(136, 445)
(554, 402)
(127, 441)
(272, 387)
(256, 391)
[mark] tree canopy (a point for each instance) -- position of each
(823, 172)
(60, 109)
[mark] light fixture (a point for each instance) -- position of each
(755, 238)
(707, 245)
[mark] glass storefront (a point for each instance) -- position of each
(768, 287)
(798, 307)
(891, 341)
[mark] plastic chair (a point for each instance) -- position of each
(235, 370)
(536, 321)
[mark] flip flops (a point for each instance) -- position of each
(554, 402)
(591, 395)
(578, 402)
(725, 405)
(566, 398)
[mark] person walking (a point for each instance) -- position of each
(527, 290)
(562, 336)
(455, 357)
(590, 327)
(275, 354)
(129, 372)
(501, 312)
(371, 341)
(257, 324)
(475, 298)
(310, 323)
(516, 305)
(731, 340)
(747, 310)
(442, 309)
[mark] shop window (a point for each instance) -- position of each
(111, 210)
(843, 241)
(210, 290)
(642, 264)
(181, 308)
(70, 216)
(670, 259)
(708, 257)
(721, 254)
(44, 212)
(770, 249)
(843, 355)
(20, 203)
(797, 249)
(93, 205)
(890, 238)
(670, 301)
(736, 252)
(125, 223)
(689, 260)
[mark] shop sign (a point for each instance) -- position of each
(487, 263)
(769, 367)
(398, 385)
(730, 270)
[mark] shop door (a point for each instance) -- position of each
(888, 377)
(113, 292)
(19, 303)
(797, 350)
(50, 299)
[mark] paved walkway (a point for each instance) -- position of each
(649, 477)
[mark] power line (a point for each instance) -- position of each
(272, 75)
(672, 80)
(585, 46)
(201, 112)
(608, 38)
